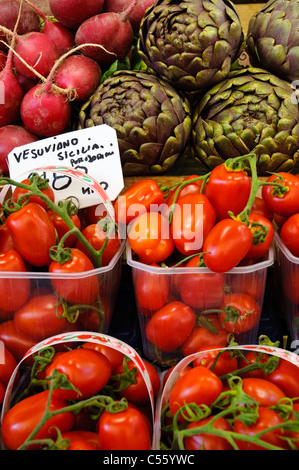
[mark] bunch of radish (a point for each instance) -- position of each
(49, 64)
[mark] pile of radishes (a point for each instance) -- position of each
(48, 64)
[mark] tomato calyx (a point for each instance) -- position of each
(279, 187)
(127, 377)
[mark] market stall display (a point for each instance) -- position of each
(180, 128)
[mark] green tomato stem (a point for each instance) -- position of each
(61, 210)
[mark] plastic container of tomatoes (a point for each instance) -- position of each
(203, 396)
(102, 417)
(181, 309)
(36, 303)
(287, 277)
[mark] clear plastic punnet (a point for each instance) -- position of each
(44, 303)
(182, 309)
(287, 276)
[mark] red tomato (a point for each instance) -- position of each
(205, 441)
(285, 204)
(7, 366)
(150, 238)
(263, 391)
(6, 241)
(142, 196)
(75, 289)
(289, 233)
(260, 207)
(15, 342)
(202, 336)
(18, 192)
(90, 437)
(137, 392)
(87, 369)
(201, 290)
(78, 443)
(123, 430)
(259, 247)
(33, 233)
(242, 313)
(41, 317)
(11, 260)
(81, 440)
(95, 213)
(267, 418)
(176, 193)
(226, 245)
(285, 376)
(170, 326)
(23, 417)
(114, 356)
(228, 190)
(62, 228)
(96, 236)
(193, 218)
(151, 290)
(200, 385)
(220, 362)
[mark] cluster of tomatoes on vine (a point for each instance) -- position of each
(228, 399)
(234, 222)
(88, 397)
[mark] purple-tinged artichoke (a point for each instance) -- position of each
(251, 111)
(273, 38)
(152, 120)
(190, 43)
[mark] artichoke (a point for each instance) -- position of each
(273, 38)
(251, 111)
(151, 119)
(190, 43)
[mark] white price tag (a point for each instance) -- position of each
(93, 151)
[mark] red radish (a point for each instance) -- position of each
(44, 111)
(72, 13)
(79, 73)
(11, 92)
(9, 10)
(136, 15)
(62, 36)
(38, 51)
(111, 30)
(12, 136)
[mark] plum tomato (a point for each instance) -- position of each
(88, 370)
(150, 238)
(124, 430)
(199, 385)
(76, 290)
(175, 318)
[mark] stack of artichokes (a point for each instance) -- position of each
(194, 91)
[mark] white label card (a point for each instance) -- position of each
(93, 151)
